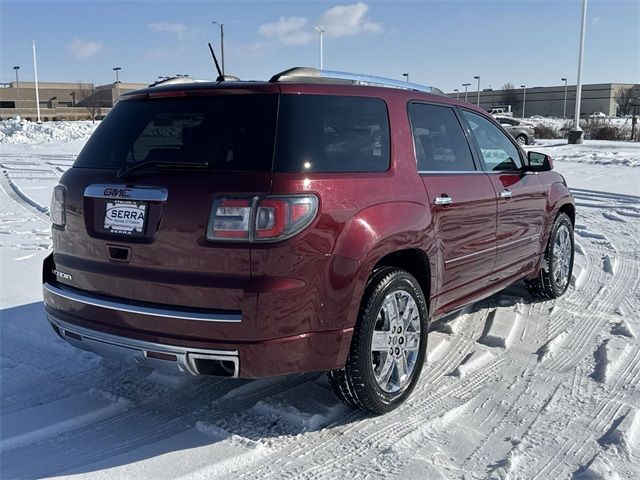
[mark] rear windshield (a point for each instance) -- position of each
(230, 132)
(236, 132)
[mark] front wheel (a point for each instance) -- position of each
(555, 273)
(521, 139)
(388, 346)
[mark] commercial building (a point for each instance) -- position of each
(80, 101)
(549, 101)
(61, 101)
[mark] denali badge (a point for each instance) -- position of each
(117, 192)
(60, 274)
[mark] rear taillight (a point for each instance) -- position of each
(260, 219)
(57, 211)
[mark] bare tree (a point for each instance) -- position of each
(509, 95)
(626, 97)
(86, 96)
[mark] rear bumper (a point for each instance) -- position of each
(78, 316)
(154, 355)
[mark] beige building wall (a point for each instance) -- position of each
(58, 100)
(549, 101)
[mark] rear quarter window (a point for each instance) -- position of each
(325, 133)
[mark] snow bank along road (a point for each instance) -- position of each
(513, 387)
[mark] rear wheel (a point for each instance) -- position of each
(555, 273)
(521, 139)
(388, 345)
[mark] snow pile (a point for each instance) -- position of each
(25, 132)
(594, 152)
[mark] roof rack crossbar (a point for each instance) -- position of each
(301, 74)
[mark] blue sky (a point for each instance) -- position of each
(441, 43)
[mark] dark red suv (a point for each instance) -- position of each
(315, 222)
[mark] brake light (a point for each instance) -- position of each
(260, 219)
(57, 210)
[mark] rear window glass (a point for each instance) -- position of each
(319, 133)
(439, 140)
(230, 132)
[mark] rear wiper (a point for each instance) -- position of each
(124, 171)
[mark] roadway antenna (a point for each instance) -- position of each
(215, 61)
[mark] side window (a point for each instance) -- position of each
(439, 140)
(498, 152)
(322, 133)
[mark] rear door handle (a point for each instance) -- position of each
(505, 193)
(443, 199)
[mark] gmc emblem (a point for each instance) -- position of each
(117, 192)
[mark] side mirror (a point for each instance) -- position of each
(539, 162)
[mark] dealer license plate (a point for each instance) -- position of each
(125, 218)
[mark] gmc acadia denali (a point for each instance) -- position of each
(317, 222)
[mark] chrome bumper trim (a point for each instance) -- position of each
(141, 352)
(94, 301)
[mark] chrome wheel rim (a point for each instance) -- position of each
(521, 140)
(396, 341)
(562, 252)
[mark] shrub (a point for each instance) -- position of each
(545, 131)
(605, 133)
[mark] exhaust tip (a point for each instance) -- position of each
(216, 367)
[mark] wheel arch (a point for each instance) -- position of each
(414, 261)
(570, 210)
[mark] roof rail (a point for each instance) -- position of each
(313, 75)
(175, 80)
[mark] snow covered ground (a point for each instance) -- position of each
(513, 387)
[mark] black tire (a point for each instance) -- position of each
(522, 139)
(356, 383)
(546, 284)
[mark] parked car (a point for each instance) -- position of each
(317, 222)
(504, 111)
(523, 132)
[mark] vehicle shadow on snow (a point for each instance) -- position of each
(65, 411)
(68, 411)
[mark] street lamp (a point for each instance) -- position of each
(117, 69)
(524, 99)
(16, 68)
(221, 25)
(406, 75)
(465, 85)
(35, 72)
(320, 29)
(576, 133)
(457, 93)
(478, 78)
(564, 105)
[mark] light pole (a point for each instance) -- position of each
(320, 29)
(406, 75)
(35, 71)
(117, 69)
(478, 78)
(16, 68)
(576, 133)
(465, 85)
(221, 25)
(457, 93)
(564, 105)
(524, 99)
